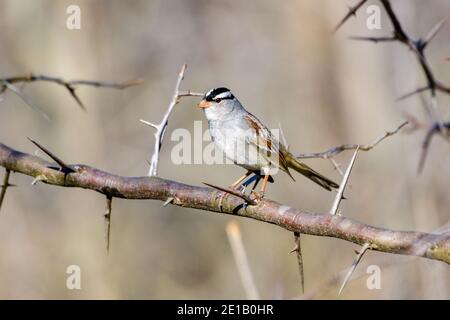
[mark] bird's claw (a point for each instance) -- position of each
(257, 196)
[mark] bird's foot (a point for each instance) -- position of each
(257, 196)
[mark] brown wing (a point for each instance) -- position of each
(266, 142)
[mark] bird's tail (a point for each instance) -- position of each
(303, 169)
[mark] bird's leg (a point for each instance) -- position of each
(255, 180)
(264, 184)
(234, 186)
(260, 195)
(256, 183)
(238, 182)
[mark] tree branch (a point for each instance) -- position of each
(418, 48)
(6, 83)
(431, 246)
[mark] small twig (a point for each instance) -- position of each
(336, 150)
(69, 85)
(298, 250)
(4, 186)
(189, 93)
(162, 126)
(340, 193)
(410, 94)
(373, 39)
(108, 221)
(168, 201)
(351, 12)
(363, 250)
(240, 256)
(63, 167)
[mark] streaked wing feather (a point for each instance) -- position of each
(265, 141)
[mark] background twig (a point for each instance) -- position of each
(240, 256)
(162, 126)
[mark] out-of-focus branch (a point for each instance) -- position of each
(162, 126)
(298, 251)
(418, 48)
(7, 83)
(240, 256)
(431, 246)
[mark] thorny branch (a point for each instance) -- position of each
(298, 251)
(431, 246)
(162, 126)
(418, 48)
(8, 83)
(361, 147)
(108, 221)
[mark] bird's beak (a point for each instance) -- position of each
(204, 104)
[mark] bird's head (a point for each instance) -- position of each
(218, 102)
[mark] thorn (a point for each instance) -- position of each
(64, 167)
(5, 186)
(234, 193)
(363, 250)
(410, 94)
(149, 124)
(40, 177)
(108, 221)
(169, 200)
(71, 90)
(351, 12)
(295, 249)
(432, 33)
(340, 193)
(373, 39)
(9, 185)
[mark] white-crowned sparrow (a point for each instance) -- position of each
(248, 143)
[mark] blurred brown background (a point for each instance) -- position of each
(283, 63)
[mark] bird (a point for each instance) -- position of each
(248, 143)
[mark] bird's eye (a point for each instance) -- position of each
(217, 100)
